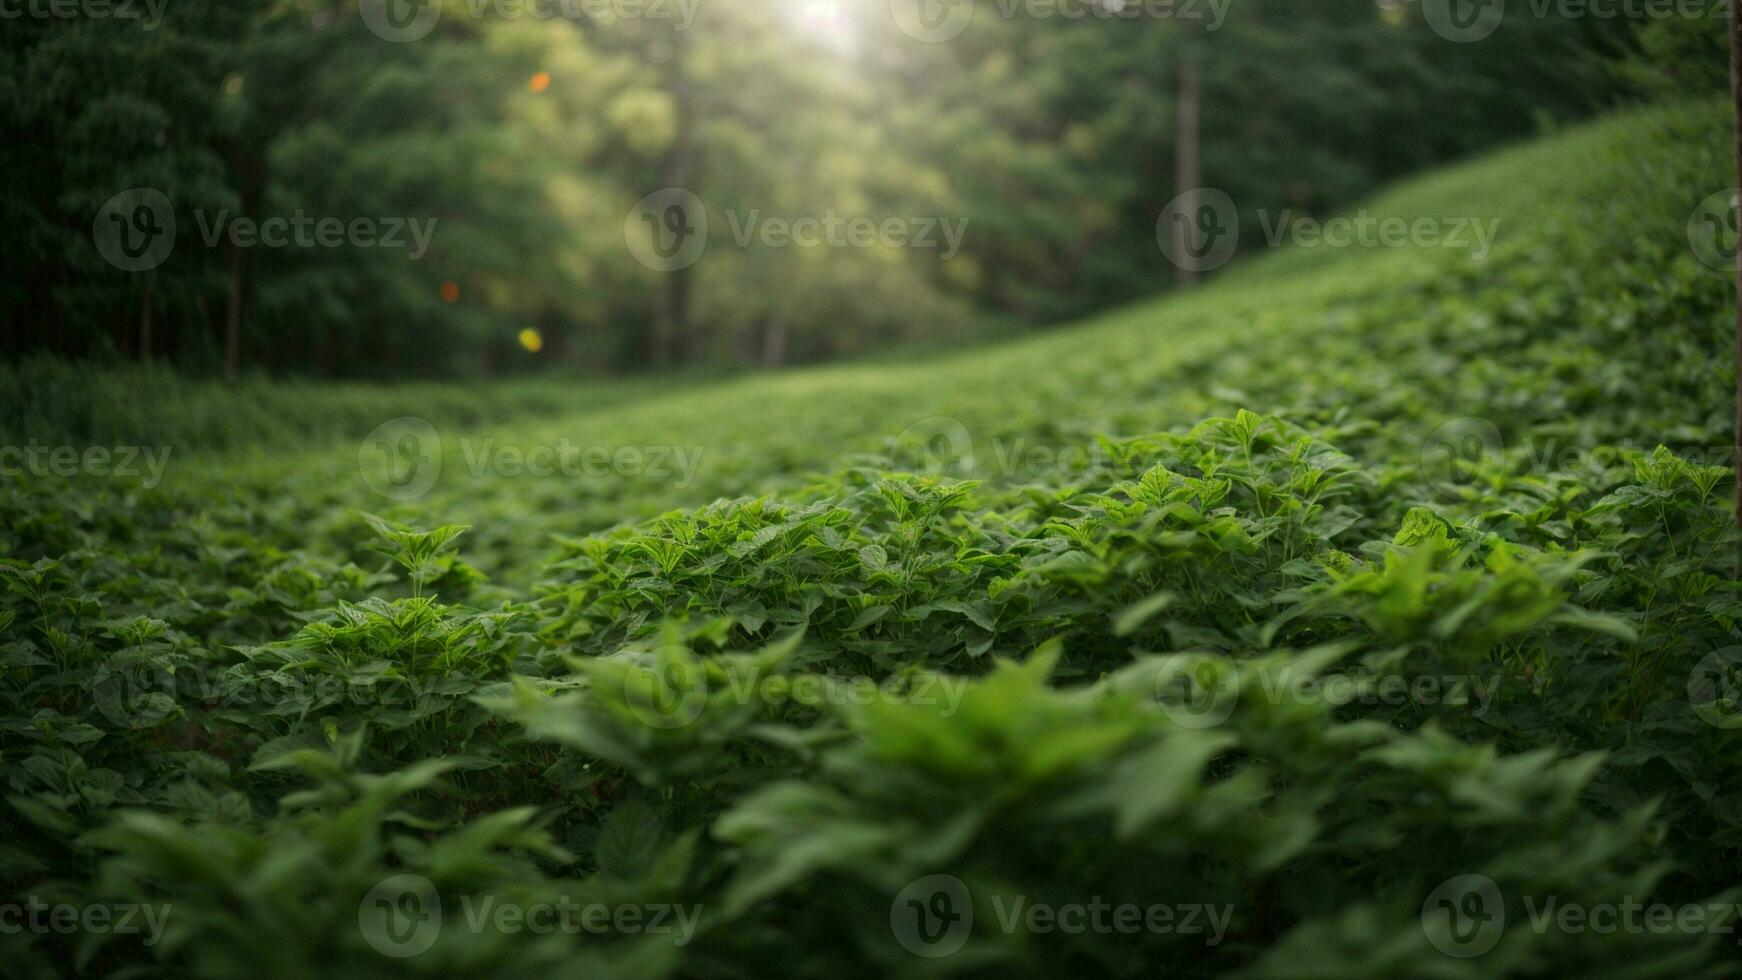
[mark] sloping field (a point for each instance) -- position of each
(1358, 614)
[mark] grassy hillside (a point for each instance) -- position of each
(1348, 601)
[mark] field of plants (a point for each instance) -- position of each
(1368, 612)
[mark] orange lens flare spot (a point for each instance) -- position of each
(540, 81)
(450, 292)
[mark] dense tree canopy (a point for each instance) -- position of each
(477, 166)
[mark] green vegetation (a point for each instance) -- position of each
(499, 153)
(1118, 614)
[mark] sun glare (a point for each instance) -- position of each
(829, 21)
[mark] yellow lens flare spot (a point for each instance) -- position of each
(532, 340)
(540, 81)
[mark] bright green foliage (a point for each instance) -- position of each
(1218, 603)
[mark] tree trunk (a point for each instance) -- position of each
(1736, 97)
(233, 316)
(1186, 176)
(673, 338)
(145, 327)
(774, 342)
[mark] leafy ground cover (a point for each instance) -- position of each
(1359, 614)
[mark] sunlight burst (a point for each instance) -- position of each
(829, 21)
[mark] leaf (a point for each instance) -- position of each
(1131, 618)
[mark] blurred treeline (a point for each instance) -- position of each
(531, 138)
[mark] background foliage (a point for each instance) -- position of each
(243, 695)
(529, 140)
